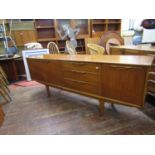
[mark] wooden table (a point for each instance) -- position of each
(13, 67)
(139, 50)
(118, 79)
(133, 49)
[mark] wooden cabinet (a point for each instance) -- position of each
(22, 37)
(40, 69)
(124, 83)
(100, 26)
(46, 31)
(118, 79)
(139, 50)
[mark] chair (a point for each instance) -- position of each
(90, 40)
(96, 49)
(70, 48)
(110, 38)
(1, 116)
(53, 48)
(4, 90)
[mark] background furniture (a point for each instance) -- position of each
(70, 48)
(100, 26)
(53, 48)
(110, 38)
(1, 115)
(90, 40)
(139, 50)
(30, 53)
(4, 90)
(107, 78)
(95, 49)
(13, 67)
(23, 32)
(46, 30)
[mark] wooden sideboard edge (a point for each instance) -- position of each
(92, 95)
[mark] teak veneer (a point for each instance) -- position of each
(114, 78)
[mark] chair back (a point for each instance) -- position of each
(53, 48)
(91, 40)
(110, 38)
(70, 48)
(96, 49)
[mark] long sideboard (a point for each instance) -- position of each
(114, 78)
(139, 50)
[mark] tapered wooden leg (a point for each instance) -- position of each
(48, 91)
(101, 107)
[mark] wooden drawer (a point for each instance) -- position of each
(81, 66)
(151, 86)
(81, 86)
(82, 76)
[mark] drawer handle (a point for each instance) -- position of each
(81, 72)
(125, 67)
(79, 64)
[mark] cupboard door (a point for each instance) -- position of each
(18, 38)
(29, 36)
(45, 71)
(126, 84)
(37, 69)
(24, 36)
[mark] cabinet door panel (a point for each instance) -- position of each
(45, 71)
(24, 36)
(124, 83)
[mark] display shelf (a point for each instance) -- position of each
(46, 30)
(46, 39)
(44, 22)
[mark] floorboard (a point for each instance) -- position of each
(32, 113)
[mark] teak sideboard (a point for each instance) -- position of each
(118, 79)
(139, 50)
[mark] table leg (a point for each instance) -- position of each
(48, 91)
(101, 107)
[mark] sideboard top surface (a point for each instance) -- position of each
(142, 47)
(107, 59)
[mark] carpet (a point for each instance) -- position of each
(32, 113)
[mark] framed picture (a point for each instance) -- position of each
(30, 53)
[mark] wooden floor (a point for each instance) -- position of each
(31, 112)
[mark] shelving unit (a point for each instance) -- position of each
(46, 30)
(100, 26)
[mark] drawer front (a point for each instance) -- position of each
(81, 86)
(81, 76)
(81, 66)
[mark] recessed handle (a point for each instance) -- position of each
(80, 72)
(78, 63)
(125, 67)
